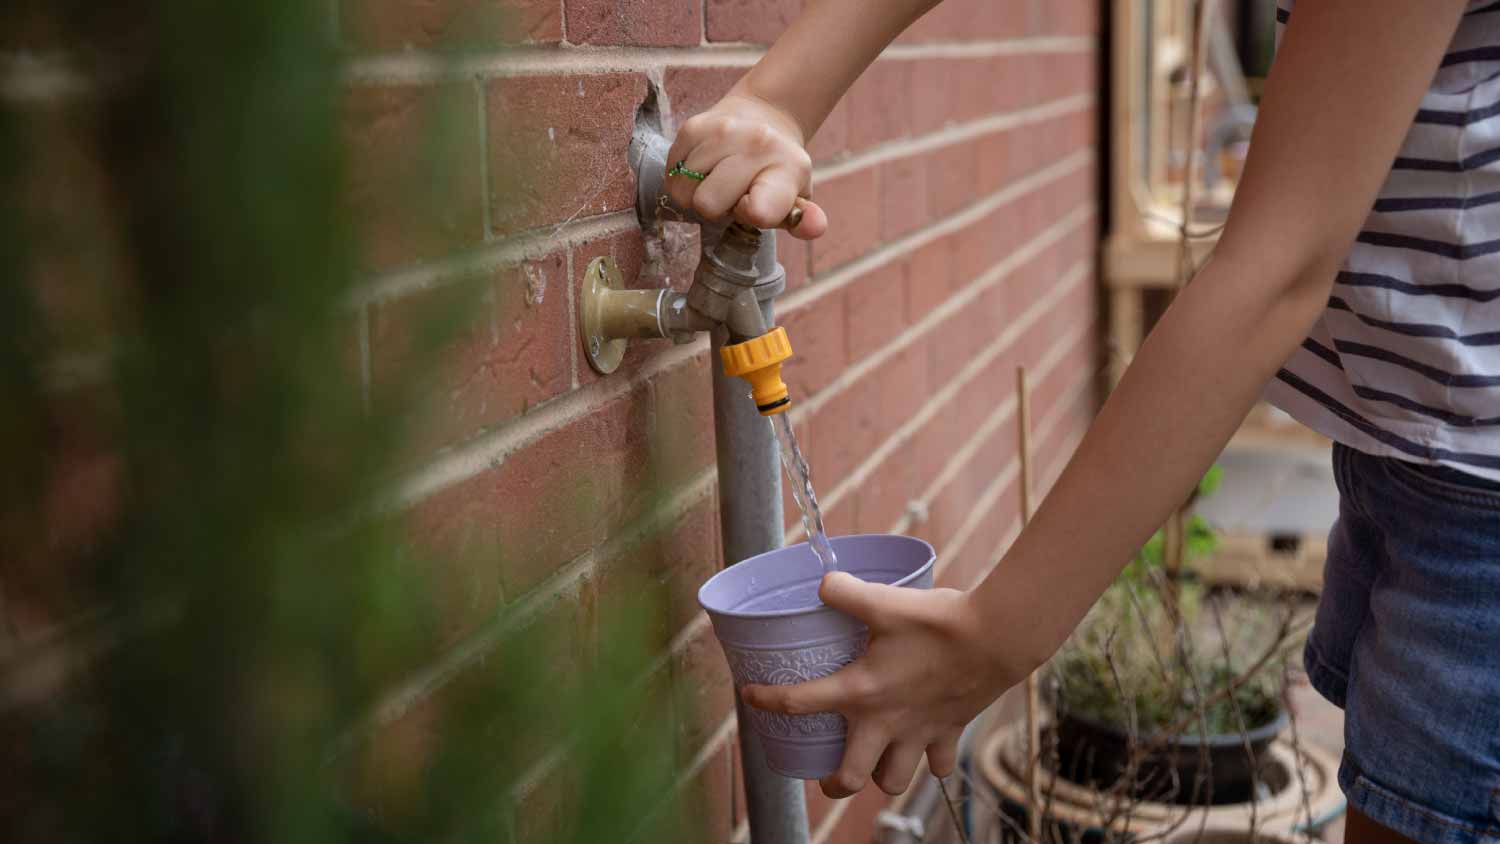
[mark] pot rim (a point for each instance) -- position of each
(1265, 732)
(820, 607)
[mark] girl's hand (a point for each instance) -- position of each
(931, 667)
(756, 167)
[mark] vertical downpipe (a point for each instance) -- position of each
(750, 517)
(750, 513)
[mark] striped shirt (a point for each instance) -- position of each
(1405, 360)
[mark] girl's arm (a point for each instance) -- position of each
(1345, 86)
(751, 142)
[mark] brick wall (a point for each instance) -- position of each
(960, 178)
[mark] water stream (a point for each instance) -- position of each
(800, 478)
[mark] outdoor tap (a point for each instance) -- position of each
(737, 276)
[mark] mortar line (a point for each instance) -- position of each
(955, 134)
(540, 241)
(950, 391)
(827, 283)
(997, 487)
(1054, 469)
(492, 255)
(960, 457)
(831, 820)
(490, 450)
(721, 734)
(559, 585)
(567, 58)
(952, 305)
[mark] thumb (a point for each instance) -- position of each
(868, 602)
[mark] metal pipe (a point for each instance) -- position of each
(749, 467)
(750, 518)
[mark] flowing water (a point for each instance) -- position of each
(800, 478)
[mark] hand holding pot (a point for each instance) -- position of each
(932, 665)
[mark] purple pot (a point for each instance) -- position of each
(775, 631)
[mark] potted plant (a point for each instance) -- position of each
(1165, 693)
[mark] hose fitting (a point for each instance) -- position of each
(758, 361)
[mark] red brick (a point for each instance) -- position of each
(950, 178)
(853, 205)
(880, 104)
(413, 188)
(994, 167)
(932, 95)
(903, 196)
(405, 24)
(506, 346)
(855, 826)
(792, 252)
(831, 140)
(691, 90)
(856, 421)
(882, 498)
(547, 810)
(971, 19)
(557, 147)
(1069, 17)
(710, 795)
(875, 311)
(753, 21)
(819, 351)
(705, 692)
(651, 581)
(638, 23)
(929, 277)
(683, 435)
(549, 502)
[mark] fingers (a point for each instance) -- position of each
(897, 766)
(729, 180)
(825, 694)
(942, 755)
(873, 603)
(862, 751)
(814, 221)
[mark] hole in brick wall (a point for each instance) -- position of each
(648, 113)
(1285, 543)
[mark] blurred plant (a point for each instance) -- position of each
(1133, 640)
(203, 597)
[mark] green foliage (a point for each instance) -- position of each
(233, 635)
(1128, 661)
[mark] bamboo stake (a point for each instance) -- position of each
(1033, 698)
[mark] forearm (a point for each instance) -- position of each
(820, 55)
(1183, 397)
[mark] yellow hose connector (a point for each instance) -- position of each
(759, 361)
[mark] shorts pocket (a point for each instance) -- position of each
(1414, 479)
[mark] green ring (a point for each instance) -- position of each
(680, 169)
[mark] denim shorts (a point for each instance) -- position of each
(1407, 642)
